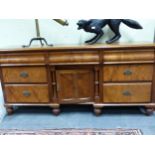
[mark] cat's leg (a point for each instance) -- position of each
(99, 34)
(90, 40)
(114, 39)
(114, 25)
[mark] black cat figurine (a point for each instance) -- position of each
(96, 25)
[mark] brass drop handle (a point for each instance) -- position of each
(24, 74)
(127, 72)
(127, 93)
(26, 93)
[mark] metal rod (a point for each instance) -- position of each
(37, 28)
(62, 22)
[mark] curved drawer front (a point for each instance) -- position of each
(120, 56)
(24, 74)
(112, 73)
(22, 59)
(81, 57)
(127, 93)
(26, 93)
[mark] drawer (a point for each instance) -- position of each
(128, 93)
(24, 74)
(113, 73)
(122, 56)
(26, 93)
(23, 58)
(72, 57)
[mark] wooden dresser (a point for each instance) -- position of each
(100, 75)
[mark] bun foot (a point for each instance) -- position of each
(9, 110)
(147, 111)
(56, 111)
(97, 111)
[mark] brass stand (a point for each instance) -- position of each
(38, 38)
(41, 40)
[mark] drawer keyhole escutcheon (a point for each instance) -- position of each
(26, 93)
(127, 72)
(24, 74)
(127, 93)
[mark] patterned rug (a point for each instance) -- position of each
(117, 131)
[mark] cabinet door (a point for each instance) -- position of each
(75, 86)
(84, 85)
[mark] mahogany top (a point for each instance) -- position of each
(80, 47)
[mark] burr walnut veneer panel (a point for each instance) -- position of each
(24, 74)
(139, 72)
(27, 93)
(127, 92)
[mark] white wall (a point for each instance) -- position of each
(17, 32)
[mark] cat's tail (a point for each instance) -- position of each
(132, 23)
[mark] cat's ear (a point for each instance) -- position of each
(81, 21)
